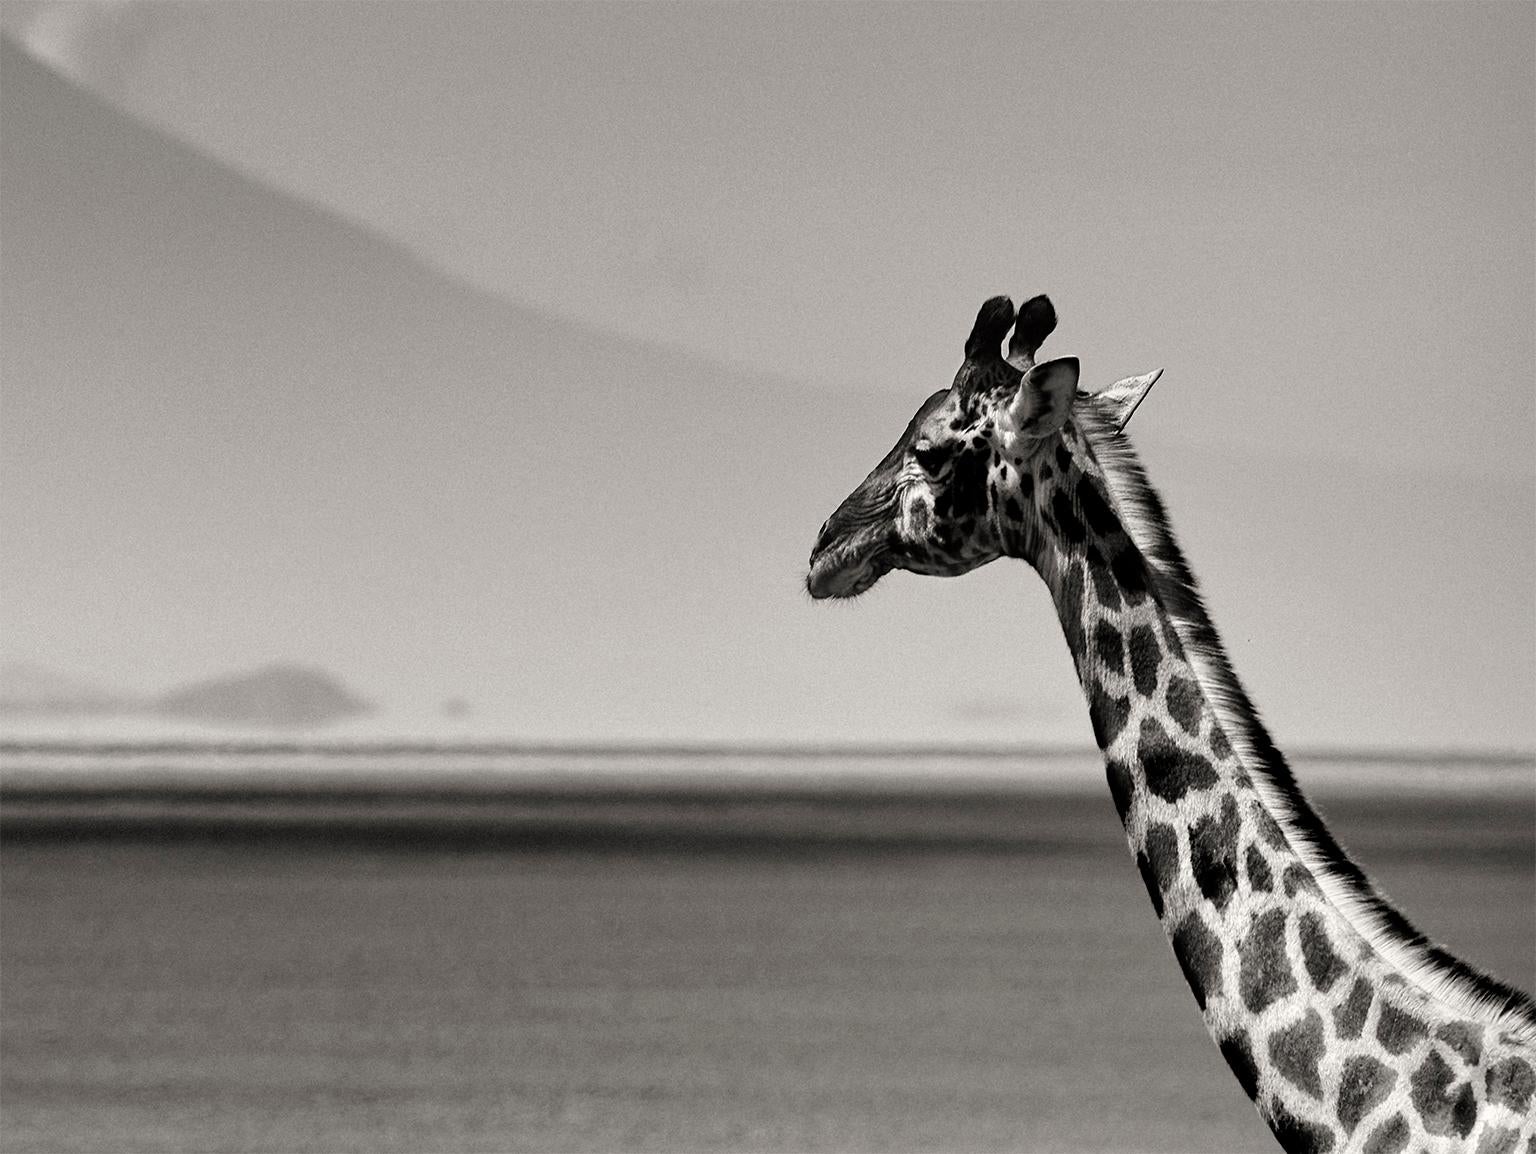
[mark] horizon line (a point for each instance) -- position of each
(689, 750)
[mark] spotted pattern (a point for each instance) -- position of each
(1199, 953)
(1512, 1083)
(1109, 647)
(1297, 1136)
(1297, 877)
(1239, 1055)
(1464, 1039)
(1121, 786)
(1363, 1085)
(1161, 847)
(1221, 748)
(1334, 1049)
(1171, 771)
(1238, 904)
(1105, 587)
(1185, 704)
(1388, 1138)
(1324, 966)
(1444, 1106)
(1259, 878)
(1108, 715)
(1398, 1030)
(1499, 1140)
(1264, 971)
(1146, 657)
(1296, 1051)
(1350, 1015)
(1213, 853)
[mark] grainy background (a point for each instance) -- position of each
(441, 373)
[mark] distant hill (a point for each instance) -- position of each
(276, 696)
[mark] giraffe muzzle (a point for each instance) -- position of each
(853, 549)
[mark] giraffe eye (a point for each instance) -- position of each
(929, 456)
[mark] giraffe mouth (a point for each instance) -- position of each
(841, 572)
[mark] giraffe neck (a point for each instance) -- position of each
(1337, 1045)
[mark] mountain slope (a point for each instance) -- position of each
(239, 428)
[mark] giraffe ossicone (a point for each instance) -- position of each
(1347, 1029)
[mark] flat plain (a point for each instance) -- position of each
(970, 972)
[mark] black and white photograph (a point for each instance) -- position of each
(473, 478)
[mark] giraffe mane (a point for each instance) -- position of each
(1452, 981)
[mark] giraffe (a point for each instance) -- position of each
(1346, 1028)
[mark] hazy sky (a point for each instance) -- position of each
(1295, 204)
(1317, 218)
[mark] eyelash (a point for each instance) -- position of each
(930, 458)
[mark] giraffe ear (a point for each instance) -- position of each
(1045, 397)
(1119, 401)
(1037, 317)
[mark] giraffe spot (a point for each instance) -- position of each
(966, 492)
(1220, 746)
(1296, 1136)
(1264, 974)
(1349, 1017)
(1069, 607)
(1297, 877)
(1497, 1140)
(1146, 656)
(1464, 1038)
(1101, 519)
(1015, 513)
(1388, 1138)
(1442, 1109)
(1109, 646)
(1363, 1085)
(1026, 483)
(922, 518)
(1323, 965)
(1184, 704)
(1269, 829)
(1162, 850)
(1063, 458)
(1103, 581)
(1144, 867)
(1235, 1049)
(1213, 853)
(1170, 771)
(1171, 638)
(1121, 787)
(1066, 520)
(1108, 715)
(1199, 953)
(1130, 573)
(1296, 1051)
(1399, 1031)
(1511, 1083)
(1260, 880)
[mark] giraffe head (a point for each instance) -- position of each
(967, 480)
